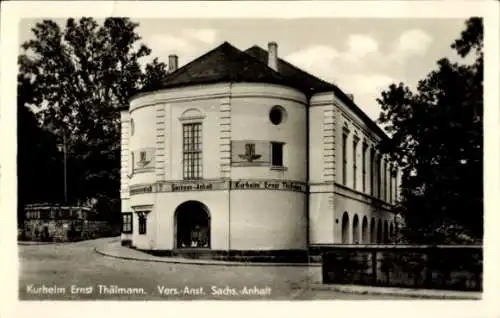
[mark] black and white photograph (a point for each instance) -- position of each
(250, 159)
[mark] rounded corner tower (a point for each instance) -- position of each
(216, 163)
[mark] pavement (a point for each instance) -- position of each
(90, 270)
(114, 249)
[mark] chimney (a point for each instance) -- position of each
(272, 60)
(351, 96)
(172, 63)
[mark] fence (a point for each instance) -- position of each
(432, 267)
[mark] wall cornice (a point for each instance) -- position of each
(217, 91)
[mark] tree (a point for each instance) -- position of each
(78, 76)
(437, 139)
(37, 155)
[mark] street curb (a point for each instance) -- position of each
(205, 262)
(418, 294)
(43, 243)
(38, 243)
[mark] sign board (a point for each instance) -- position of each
(182, 186)
(250, 152)
(269, 185)
(186, 186)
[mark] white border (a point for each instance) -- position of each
(13, 11)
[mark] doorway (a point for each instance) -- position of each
(192, 225)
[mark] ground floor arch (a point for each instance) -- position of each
(355, 230)
(345, 228)
(365, 234)
(373, 231)
(192, 225)
(392, 236)
(386, 232)
(380, 231)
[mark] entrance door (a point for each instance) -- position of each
(192, 221)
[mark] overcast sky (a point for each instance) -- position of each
(361, 56)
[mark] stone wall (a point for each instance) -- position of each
(65, 230)
(430, 267)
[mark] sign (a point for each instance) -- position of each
(268, 185)
(250, 152)
(183, 186)
(141, 189)
(186, 186)
(192, 187)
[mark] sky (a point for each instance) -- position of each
(362, 56)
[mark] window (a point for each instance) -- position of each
(363, 164)
(372, 172)
(396, 186)
(132, 161)
(382, 179)
(277, 154)
(127, 223)
(344, 159)
(142, 223)
(379, 176)
(387, 182)
(142, 159)
(277, 115)
(390, 184)
(354, 163)
(192, 151)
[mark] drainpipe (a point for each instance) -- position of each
(307, 176)
(229, 185)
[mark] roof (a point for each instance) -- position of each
(226, 63)
(307, 83)
(311, 84)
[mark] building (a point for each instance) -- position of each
(241, 151)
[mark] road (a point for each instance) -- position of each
(75, 271)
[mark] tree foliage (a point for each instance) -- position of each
(437, 139)
(78, 76)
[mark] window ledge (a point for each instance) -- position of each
(279, 168)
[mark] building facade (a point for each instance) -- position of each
(242, 151)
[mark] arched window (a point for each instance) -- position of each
(364, 231)
(355, 230)
(345, 228)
